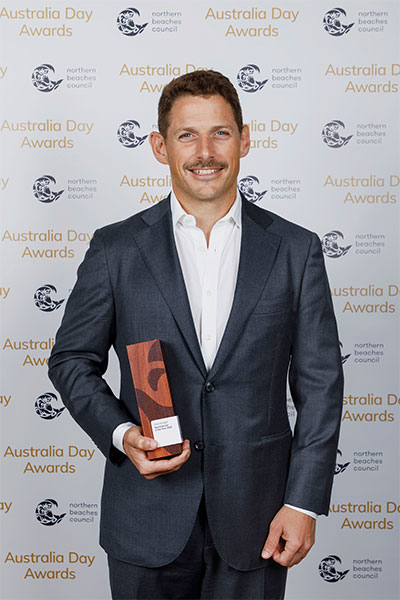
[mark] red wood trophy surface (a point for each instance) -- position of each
(152, 391)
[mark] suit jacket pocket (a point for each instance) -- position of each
(273, 305)
(277, 436)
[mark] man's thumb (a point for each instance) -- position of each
(270, 545)
(134, 437)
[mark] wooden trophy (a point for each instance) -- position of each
(154, 398)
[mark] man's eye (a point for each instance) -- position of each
(185, 135)
(222, 133)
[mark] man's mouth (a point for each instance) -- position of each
(205, 171)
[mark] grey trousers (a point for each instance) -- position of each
(197, 573)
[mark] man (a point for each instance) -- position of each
(239, 297)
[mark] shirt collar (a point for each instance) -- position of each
(179, 213)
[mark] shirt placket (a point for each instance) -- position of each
(209, 299)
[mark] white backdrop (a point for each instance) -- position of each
(319, 86)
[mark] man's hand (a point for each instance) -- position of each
(291, 536)
(136, 445)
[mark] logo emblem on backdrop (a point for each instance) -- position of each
(330, 244)
(44, 407)
(332, 22)
(126, 22)
(43, 300)
(340, 467)
(126, 134)
(246, 186)
(331, 134)
(44, 512)
(344, 356)
(41, 78)
(327, 569)
(42, 191)
(246, 79)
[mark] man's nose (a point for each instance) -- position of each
(205, 147)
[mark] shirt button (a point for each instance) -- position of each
(210, 387)
(208, 337)
(199, 445)
(209, 293)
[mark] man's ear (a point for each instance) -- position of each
(244, 141)
(157, 144)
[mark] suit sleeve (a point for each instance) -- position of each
(316, 384)
(80, 355)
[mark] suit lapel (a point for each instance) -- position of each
(257, 255)
(156, 244)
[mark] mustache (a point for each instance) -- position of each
(208, 164)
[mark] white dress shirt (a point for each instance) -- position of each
(210, 274)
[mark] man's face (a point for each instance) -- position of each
(203, 148)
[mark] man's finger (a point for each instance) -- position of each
(287, 559)
(154, 468)
(286, 554)
(166, 465)
(154, 475)
(291, 554)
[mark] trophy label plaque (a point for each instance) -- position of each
(154, 398)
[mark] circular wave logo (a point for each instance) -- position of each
(126, 22)
(45, 515)
(42, 189)
(41, 78)
(331, 134)
(246, 186)
(126, 134)
(332, 22)
(246, 79)
(330, 244)
(44, 407)
(327, 569)
(43, 300)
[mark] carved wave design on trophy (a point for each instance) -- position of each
(151, 408)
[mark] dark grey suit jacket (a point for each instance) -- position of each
(130, 289)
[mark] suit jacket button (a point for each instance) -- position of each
(199, 445)
(210, 387)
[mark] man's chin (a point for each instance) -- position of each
(207, 196)
(207, 192)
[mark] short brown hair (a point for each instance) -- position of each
(199, 83)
